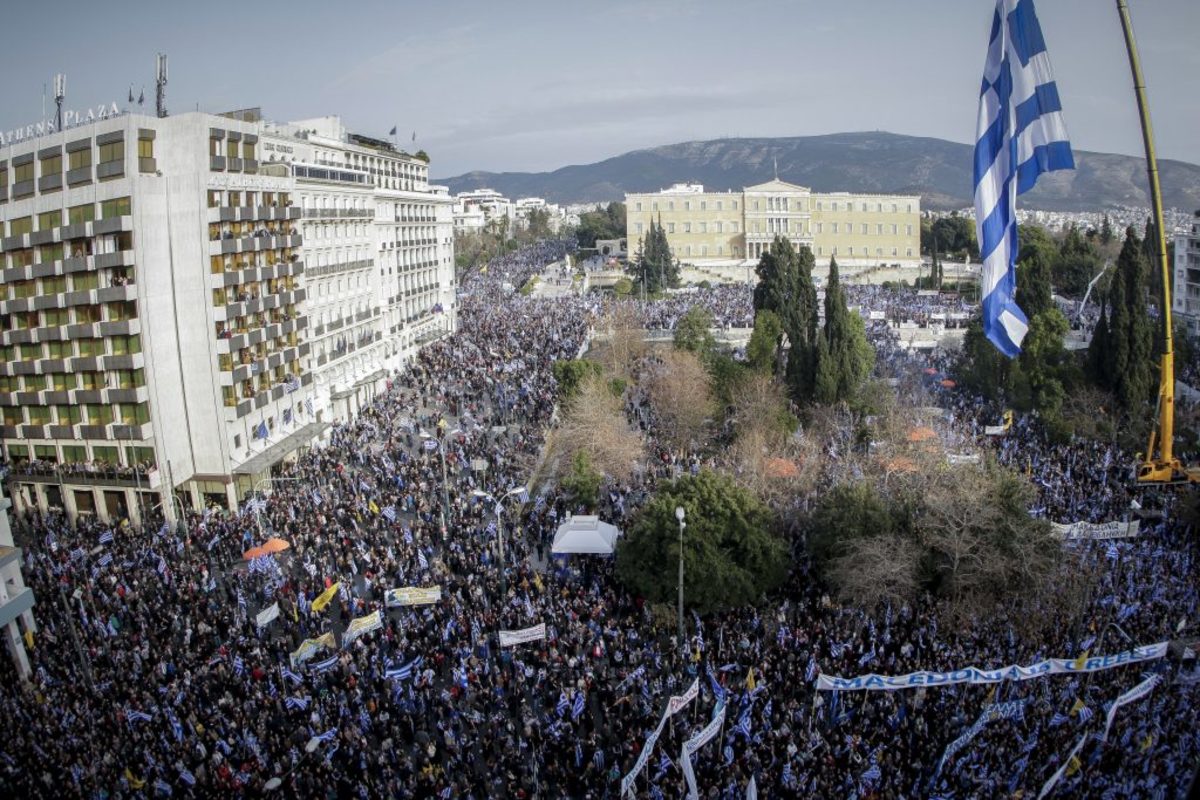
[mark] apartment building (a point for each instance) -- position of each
(152, 326)
(734, 228)
(379, 255)
(1185, 288)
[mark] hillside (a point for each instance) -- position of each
(938, 170)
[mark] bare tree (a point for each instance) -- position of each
(877, 569)
(680, 393)
(625, 340)
(594, 422)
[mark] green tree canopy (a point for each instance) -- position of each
(762, 351)
(693, 332)
(571, 373)
(732, 557)
(655, 264)
(786, 287)
(1077, 263)
(1120, 351)
(844, 356)
(608, 223)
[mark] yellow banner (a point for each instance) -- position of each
(309, 647)
(325, 597)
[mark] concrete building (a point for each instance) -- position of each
(16, 599)
(735, 228)
(157, 332)
(1185, 289)
(378, 247)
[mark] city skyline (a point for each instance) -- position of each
(489, 88)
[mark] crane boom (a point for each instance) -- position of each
(1165, 468)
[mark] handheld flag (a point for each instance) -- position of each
(1019, 135)
(324, 598)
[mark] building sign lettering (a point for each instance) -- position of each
(71, 119)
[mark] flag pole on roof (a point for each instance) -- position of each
(1020, 134)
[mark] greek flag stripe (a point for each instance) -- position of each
(1020, 135)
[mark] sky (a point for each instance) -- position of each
(528, 85)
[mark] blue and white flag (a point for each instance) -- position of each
(577, 706)
(261, 431)
(293, 677)
(390, 513)
(1020, 134)
(133, 715)
(431, 444)
(187, 777)
(297, 702)
(105, 560)
(106, 537)
(324, 666)
(404, 672)
(563, 704)
(327, 735)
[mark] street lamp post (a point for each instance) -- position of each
(445, 484)
(309, 748)
(679, 515)
(500, 534)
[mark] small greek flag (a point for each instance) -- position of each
(404, 672)
(291, 676)
(813, 670)
(176, 727)
(162, 566)
(1085, 714)
(133, 715)
(105, 560)
(292, 383)
(563, 704)
(421, 560)
(1113, 553)
(431, 444)
(316, 497)
(327, 735)
(162, 787)
(297, 702)
(324, 666)
(1019, 135)
(261, 431)
(187, 777)
(872, 775)
(214, 541)
(238, 665)
(522, 495)
(577, 708)
(390, 513)
(1058, 719)
(308, 406)
(106, 537)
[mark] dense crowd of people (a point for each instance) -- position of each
(152, 676)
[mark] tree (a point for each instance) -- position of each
(762, 351)
(594, 422)
(1076, 265)
(655, 265)
(1035, 265)
(1120, 351)
(732, 557)
(1106, 231)
(844, 357)
(537, 224)
(693, 332)
(571, 373)
(582, 483)
(625, 344)
(608, 223)
(680, 394)
(786, 287)
(981, 366)
(955, 234)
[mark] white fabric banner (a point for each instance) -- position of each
(1136, 693)
(267, 615)
(994, 430)
(510, 638)
(413, 596)
(975, 675)
(1096, 530)
(674, 705)
(1067, 763)
(695, 743)
(364, 624)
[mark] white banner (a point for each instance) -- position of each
(267, 615)
(994, 430)
(1136, 693)
(1096, 530)
(1065, 765)
(962, 458)
(309, 647)
(510, 638)
(1010, 710)
(674, 705)
(361, 625)
(975, 675)
(695, 743)
(413, 596)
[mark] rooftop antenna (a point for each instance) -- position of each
(776, 160)
(160, 84)
(60, 92)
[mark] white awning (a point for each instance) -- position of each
(585, 534)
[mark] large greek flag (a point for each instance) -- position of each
(1020, 135)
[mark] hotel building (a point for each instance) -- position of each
(1185, 291)
(736, 228)
(156, 326)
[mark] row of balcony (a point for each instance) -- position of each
(80, 297)
(225, 164)
(85, 330)
(65, 233)
(47, 366)
(67, 266)
(256, 367)
(238, 341)
(251, 244)
(350, 319)
(113, 431)
(250, 274)
(338, 213)
(54, 397)
(261, 398)
(253, 213)
(366, 341)
(337, 269)
(256, 305)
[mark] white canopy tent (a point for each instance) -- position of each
(586, 535)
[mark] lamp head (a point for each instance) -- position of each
(679, 513)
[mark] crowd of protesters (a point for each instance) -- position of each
(153, 678)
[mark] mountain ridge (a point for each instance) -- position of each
(890, 163)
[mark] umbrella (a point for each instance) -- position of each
(254, 552)
(921, 434)
(949, 384)
(275, 545)
(930, 371)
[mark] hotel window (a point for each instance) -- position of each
(893, 208)
(69, 415)
(895, 229)
(248, 151)
(145, 148)
(879, 229)
(687, 205)
(720, 205)
(687, 227)
(908, 230)
(893, 251)
(820, 227)
(735, 205)
(78, 159)
(719, 227)
(31, 352)
(91, 381)
(670, 227)
(835, 227)
(704, 227)
(120, 207)
(863, 229)
(908, 252)
(58, 350)
(83, 281)
(40, 415)
(23, 173)
(77, 215)
(20, 225)
(3, 185)
(878, 251)
(908, 209)
(820, 206)
(114, 151)
(703, 205)
(74, 452)
(820, 251)
(13, 416)
(107, 455)
(56, 318)
(733, 227)
(654, 206)
(90, 348)
(231, 149)
(49, 219)
(639, 206)
(99, 415)
(52, 165)
(670, 205)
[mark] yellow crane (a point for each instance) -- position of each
(1165, 468)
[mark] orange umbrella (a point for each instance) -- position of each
(782, 468)
(949, 384)
(254, 552)
(275, 545)
(921, 434)
(930, 371)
